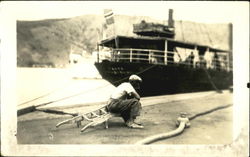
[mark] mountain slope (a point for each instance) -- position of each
(50, 41)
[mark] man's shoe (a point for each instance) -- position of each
(138, 123)
(135, 126)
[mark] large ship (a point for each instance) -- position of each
(157, 57)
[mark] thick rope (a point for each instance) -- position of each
(211, 81)
(208, 111)
(154, 138)
(33, 108)
(91, 90)
(44, 95)
(57, 112)
(182, 122)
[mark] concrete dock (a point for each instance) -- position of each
(158, 116)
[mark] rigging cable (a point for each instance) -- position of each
(209, 38)
(183, 38)
(44, 95)
(68, 40)
(211, 81)
(33, 108)
(208, 75)
(95, 88)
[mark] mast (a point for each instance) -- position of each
(230, 55)
(109, 16)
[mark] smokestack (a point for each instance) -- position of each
(170, 18)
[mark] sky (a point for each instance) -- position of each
(197, 11)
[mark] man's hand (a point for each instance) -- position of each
(134, 95)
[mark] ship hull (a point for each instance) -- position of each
(165, 79)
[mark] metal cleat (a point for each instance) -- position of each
(183, 118)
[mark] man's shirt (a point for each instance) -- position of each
(122, 91)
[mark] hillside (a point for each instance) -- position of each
(49, 41)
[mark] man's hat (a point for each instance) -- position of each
(135, 78)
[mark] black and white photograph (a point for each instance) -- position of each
(123, 78)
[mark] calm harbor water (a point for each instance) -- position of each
(52, 84)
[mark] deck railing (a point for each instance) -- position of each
(164, 58)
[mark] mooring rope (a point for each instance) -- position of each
(208, 111)
(211, 81)
(91, 90)
(182, 122)
(33, 108)
(44, 95)
(57, 112)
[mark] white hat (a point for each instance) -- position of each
(135, 78)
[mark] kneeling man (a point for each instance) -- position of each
(126, 101)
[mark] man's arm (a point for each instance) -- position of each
(134, 95)
(132, 92)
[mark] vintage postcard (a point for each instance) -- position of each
(124, 78)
